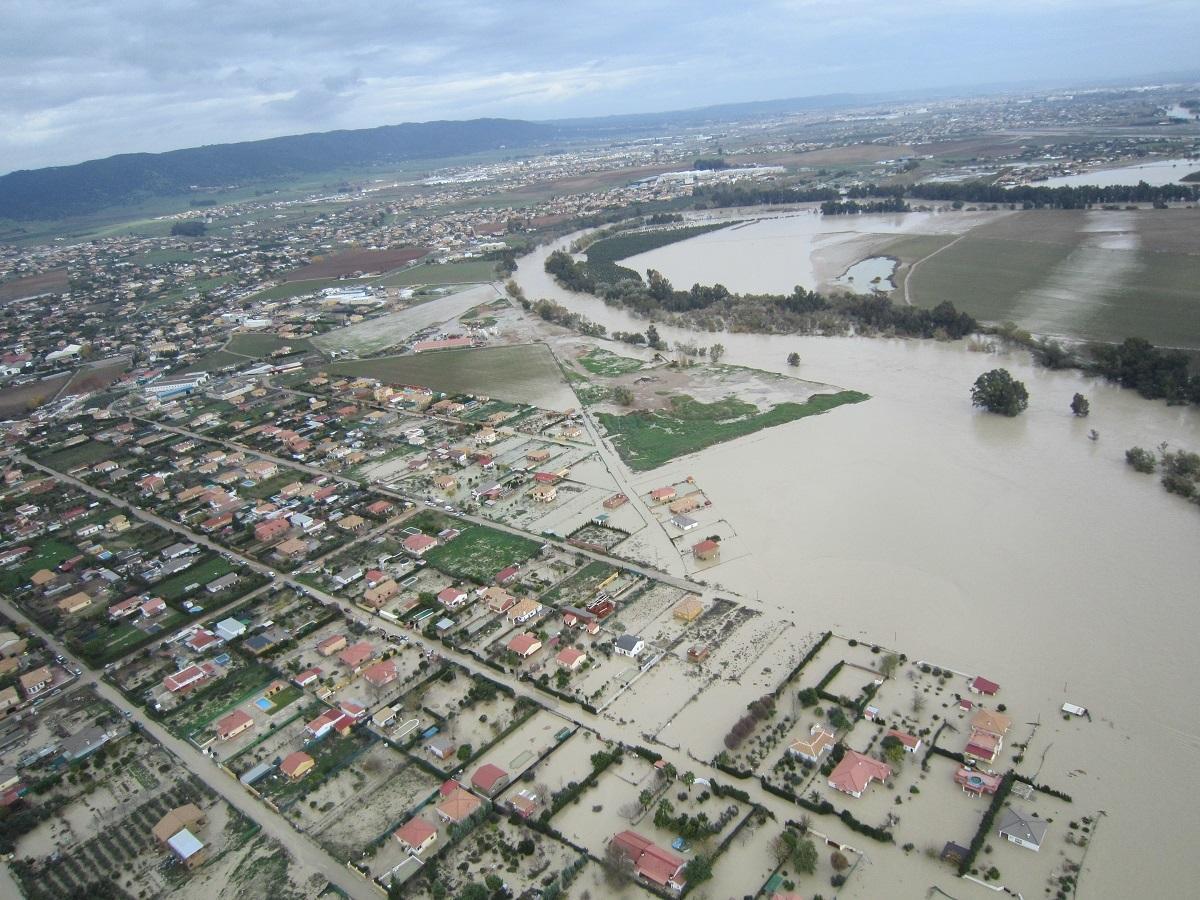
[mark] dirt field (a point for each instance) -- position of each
(54, 281)
(352, 262)
(89, 379)
(16, 401)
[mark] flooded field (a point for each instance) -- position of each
(1159, 172)
(916, 521)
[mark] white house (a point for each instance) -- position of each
(629, 645)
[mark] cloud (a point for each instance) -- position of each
(98, 77)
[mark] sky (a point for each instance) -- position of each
(81, 80)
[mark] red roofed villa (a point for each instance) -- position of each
(856, 771)
(489, 778)
(415, 835)
(651, 862)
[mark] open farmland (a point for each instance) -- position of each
(54, 281)
(479, 553)
(91, 378)
(467, 271)
(18, 400)
(524, 373)
(1100, 275)
(354, 262)
(256, 345)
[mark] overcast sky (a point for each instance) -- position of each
(80, 80)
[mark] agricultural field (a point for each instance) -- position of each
(646, 440)
(351, 262)
(96, 377)
(1100, 275)
(602, 255)
(21, 399)
(250, 343)
(467, 271)
(85, 453)
(479, 553)
(526, 374)
(54, 281)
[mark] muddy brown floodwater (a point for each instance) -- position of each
(1016, 548)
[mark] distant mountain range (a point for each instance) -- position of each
(65, 191)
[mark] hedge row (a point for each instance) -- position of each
(985, 824)
(808, 657)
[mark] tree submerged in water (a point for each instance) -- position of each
(1080, 406)
(998, 392)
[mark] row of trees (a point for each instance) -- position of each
(1034, 197)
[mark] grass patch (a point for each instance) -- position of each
(216, 361)
(647, 440)
(87, 453)
(114, 640)
(467, 271)
(514, 373)
(604, 362)
(218, 698)
(479, 553)
(602, 256)
(200, 574)
(249, 343)
(46, 555)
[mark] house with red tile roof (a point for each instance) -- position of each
(570, 658)
(981, 685)
(452, 597)
(505, 575)
(459, 804)
(419, 544)
(233, 724)
(856, 771)
(153, 607)
(355, 655)
(296, 765)
(330, 720)
(489, 778)
(186, 678)
(381, 673)
(524, 645)
(662, 495)
(652, 863)
(817, 744)
(416, 835)
(706, 550)
(910, 742)
(202, 640)
(271, 529)
(307, 677)
(523, 802)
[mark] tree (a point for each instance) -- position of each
(623, 395)
(838, 860)
(1080, 406)
(893, 750)
(887, 665)
(689, 778)
(617, 865)
(653, 339)
(998, 392)
(474, 891)
(698, 869)
(645, 798)
(669, 772)
(918, 703)
(804, 857)
(715, 352)
(464, 752)
(1142, 460)
(793, 359)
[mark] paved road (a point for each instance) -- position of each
(307, 852)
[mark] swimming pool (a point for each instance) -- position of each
(264, 704)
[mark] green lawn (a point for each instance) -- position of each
(479, 553)
(603, 362)
(113, 640)
(250, 343)
(88, 452)
(201, 573)
(47, 554)
(218, 698)
(513, 373)
(215, 361)
(465, 271)
(647, 440)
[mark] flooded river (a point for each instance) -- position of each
(1159, 172)
(1017, 548)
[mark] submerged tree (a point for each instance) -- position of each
(1080, 406)
(998, 392)
(793, 359)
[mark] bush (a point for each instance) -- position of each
(998, 392)
(1142, 460)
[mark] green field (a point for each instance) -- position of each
(87, 453)
(602, 255)
(46, 555)
(113, 640)
(479, 553)
(518, 373)
(249, 343)
(217, 360)
(1060, 281)
(201, 574)
(603, 362)
(647, 440)
(466, 271)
